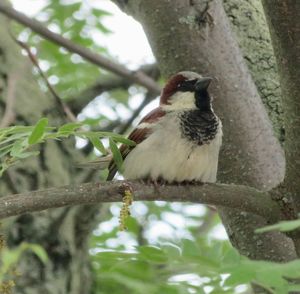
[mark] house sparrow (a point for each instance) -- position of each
(180, 140)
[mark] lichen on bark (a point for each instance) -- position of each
(249, 25)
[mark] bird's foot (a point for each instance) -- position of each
(188, 183)
(156, 183)
(195, 182)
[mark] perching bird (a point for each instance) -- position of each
(180, 140)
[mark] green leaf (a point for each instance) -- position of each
(9, 258)
(17, 149)
(100, 12)
(115, 137)
(38, 131)
(132, 284)
(39, 251)
(68, 129)
(231, 259)
(115, 255)
(6, 149)
(124, 140)
(116, 154)
(283, 226)
(173, 251)
(3, 168)
(153, 254)
(97, 144)
(241, 275)
(24, 155)
(132, 225)
(14, 137)
(293, 288)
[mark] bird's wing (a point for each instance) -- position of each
(138, 135)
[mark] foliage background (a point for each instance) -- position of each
(169, 247)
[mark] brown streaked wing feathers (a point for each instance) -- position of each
(138, 136)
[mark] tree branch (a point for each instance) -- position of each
(9, 114)
(62, 107)
(108, 83)
(225, 195)
(134, 76)
(124, 127)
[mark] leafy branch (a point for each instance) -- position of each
(18, 142)
(9, 258)
(218, 265)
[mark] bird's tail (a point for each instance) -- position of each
(100, 163)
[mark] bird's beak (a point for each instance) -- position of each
(203, 83)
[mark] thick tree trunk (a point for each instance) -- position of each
(284, 23)
(249, 25)
(196, 35)
(62, 232)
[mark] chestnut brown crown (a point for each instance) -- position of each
(184, 81)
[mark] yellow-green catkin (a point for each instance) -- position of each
(6, 287)
(125, 211)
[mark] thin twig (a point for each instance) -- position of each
(97, 59)
(233, 196)
(105, 84)
(148, 98)
(9, 113)
(61, 105)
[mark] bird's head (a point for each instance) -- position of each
(186, 90)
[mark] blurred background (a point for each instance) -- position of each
(188, 242)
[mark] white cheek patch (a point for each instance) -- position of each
(181, 101)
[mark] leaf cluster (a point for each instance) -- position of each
(192, 266)
(78, 21)
(18, 142)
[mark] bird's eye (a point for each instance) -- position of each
(186, 86)
(179, 85)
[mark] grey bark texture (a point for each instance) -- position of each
(248, 22)
(62, 232)
(254, 201)
(284, 23)
(197, 35)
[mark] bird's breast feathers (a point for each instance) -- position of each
(176, 147)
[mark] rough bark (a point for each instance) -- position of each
(284, 23)
(196, 35)
(61, 231)
(249, 25)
